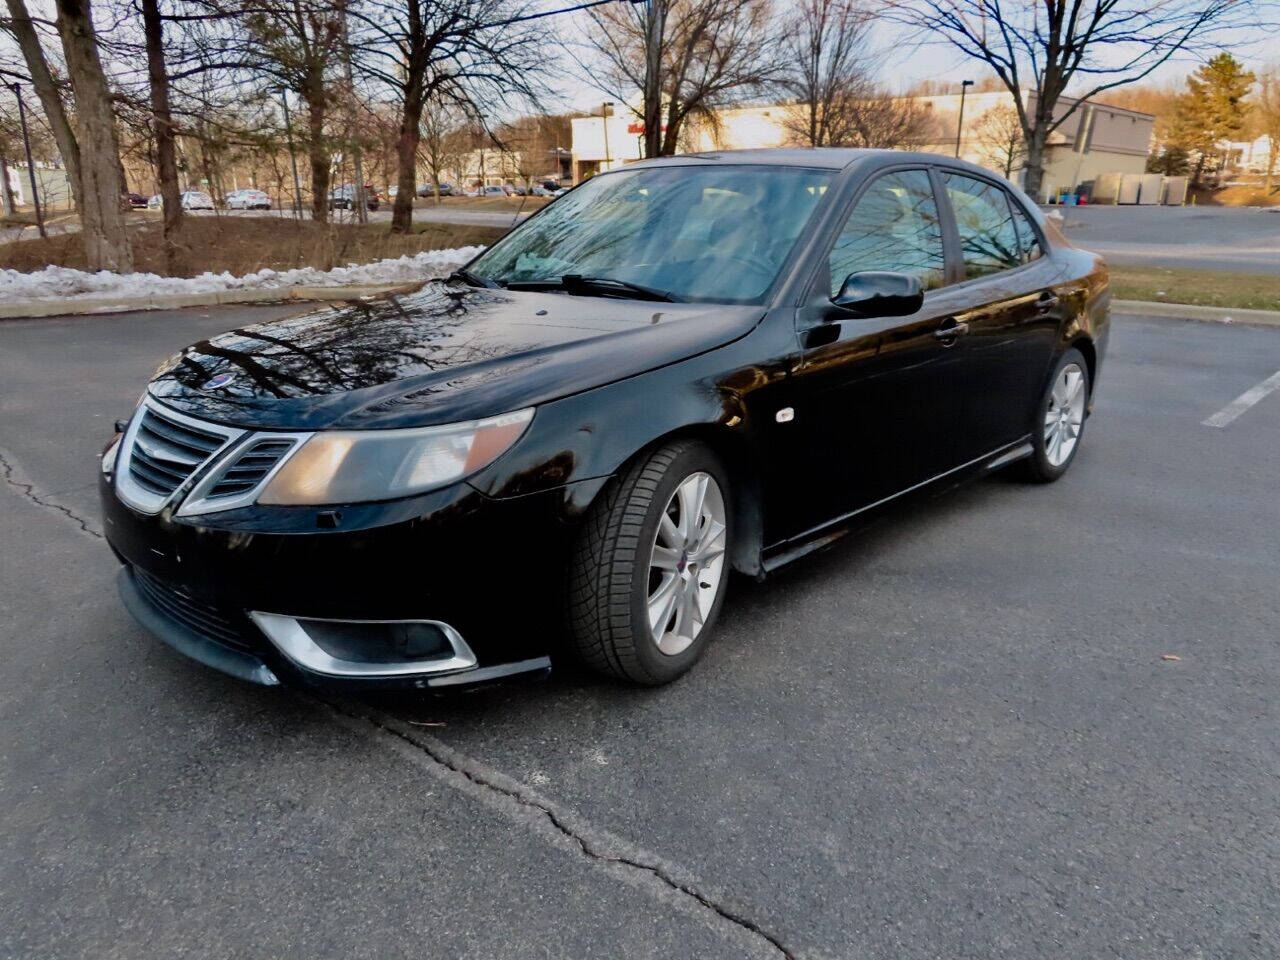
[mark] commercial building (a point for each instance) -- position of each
(1096, 139)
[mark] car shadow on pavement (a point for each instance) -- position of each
(833, 566)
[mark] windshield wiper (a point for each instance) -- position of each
(577, 283)
(466, 276)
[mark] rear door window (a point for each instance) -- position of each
(1028, 239)
(989, 240)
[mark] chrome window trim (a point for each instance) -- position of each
(141, 499)
(288, 635)
(196, 502)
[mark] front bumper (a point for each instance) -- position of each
(488, 570)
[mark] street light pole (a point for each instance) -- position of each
(964, 85)
(293, 159)
(31, 167)
(604, 123)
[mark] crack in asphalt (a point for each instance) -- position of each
(28, 491)
(560, 822)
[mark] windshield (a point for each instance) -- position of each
(714, 233)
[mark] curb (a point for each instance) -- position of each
(169, 301)
(1186, 311)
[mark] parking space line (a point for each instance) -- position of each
(1243, 402)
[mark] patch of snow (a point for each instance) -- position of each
(62, 283)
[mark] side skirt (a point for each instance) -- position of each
(782, 553)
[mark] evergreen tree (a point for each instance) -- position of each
(1213, 110)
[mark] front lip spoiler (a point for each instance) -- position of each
(189, 643)
(247, 667)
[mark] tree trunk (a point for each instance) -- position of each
(7, 196)
(162, 130)
(655, 29)
(1033, 163)
(1272, 156)
(102, 222)
(317, 150)
(43, 84)
(407, 157)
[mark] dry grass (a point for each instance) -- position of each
(494, 204)
(240, 245)
(1209, 288)
(1240, 195)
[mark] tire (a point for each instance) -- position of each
(1057, 429)
(614, 575)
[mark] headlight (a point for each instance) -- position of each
(356, 466)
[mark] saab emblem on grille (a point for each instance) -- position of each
(221, 380)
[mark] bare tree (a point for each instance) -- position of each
(23, 29)
(443, 142)
(999, 136)
(163, 131)
(825, 49)
(102, 223)
(297, 44)
(1040, 49)
(459, 52)
(1266, 116)
(687, 57)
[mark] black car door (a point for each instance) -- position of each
(875, 401)
(1009, 307)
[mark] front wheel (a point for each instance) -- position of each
(650, 568)
(1058, 425)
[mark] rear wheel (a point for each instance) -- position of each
(650, 568)
(1059, 419)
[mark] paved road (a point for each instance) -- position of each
(953, 737)
(423, 214)
(1240, 239)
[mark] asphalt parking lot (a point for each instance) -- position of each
(956, 735)
(1243, 239)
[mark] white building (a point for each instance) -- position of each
(1250, 155)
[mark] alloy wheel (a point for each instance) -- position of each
(686, 563)
(1064, 417)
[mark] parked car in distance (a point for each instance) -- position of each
(196, 200)
(686, 367)
(155, 202)
(490, 190)
(247, 199)
(343, 198)
(429, 190)
(136, 201)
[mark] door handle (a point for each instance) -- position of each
(948, 334)
(1047, 301)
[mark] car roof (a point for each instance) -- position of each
(827, 158)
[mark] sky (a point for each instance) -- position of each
(932, 62)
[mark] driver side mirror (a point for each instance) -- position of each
(875, 293)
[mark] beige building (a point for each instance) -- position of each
(1097, 138)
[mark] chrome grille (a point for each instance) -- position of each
(165, 452)
(249, 468)
(162, 450)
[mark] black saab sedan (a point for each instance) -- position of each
(683, 368)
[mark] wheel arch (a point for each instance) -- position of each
(1084, 343)
(740, 460)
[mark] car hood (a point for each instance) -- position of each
(446, 353)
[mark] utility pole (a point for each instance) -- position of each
(31, 167)
(964, 85)
(293, 159)
(604, 123)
